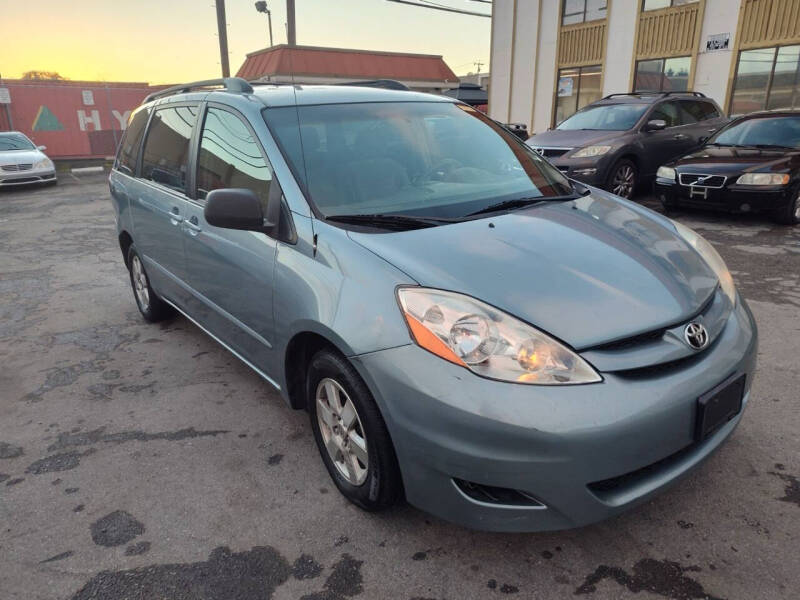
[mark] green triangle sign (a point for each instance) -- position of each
(46, 121)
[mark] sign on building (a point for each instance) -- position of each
(718, 41)
(88, 97)
(5, 96)
(565, 87)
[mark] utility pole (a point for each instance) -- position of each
(478, 65)
(222, 28)
(291, 38)
(261, 6)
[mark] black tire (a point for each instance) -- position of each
(382, 486)
(789, 214)
(667, 206)
(153, 308)
(624, 176)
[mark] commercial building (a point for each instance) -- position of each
(74, 119)
(311, 64)
(551, 57)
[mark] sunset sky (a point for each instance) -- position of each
(175, 40)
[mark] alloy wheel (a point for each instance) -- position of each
(140, 287)
(342, 432)
(623, 181)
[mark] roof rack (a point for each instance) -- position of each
(231, 84)
(388, 84)
(655, 93)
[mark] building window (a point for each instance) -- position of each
(577, 87)
(580, 11)
(766, 78)
(656, 4)
(662, 75)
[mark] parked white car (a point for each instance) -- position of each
(21, 162)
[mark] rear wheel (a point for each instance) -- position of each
(350, 433)
(152, 307)
(623, 179)
(790, 214)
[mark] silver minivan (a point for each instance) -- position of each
(467, 328)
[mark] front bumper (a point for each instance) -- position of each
(549, 442)
(592, 171)
(733, 198)
(27, 177)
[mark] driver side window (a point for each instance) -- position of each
(229, 157)
(668, 112)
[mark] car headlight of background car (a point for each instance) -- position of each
(44, 163)
(487, 341)
(712, 258)
(590, 151)
(666, 173)
(763, 179)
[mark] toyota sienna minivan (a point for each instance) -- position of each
(467, 328)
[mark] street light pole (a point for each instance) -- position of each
(261, 6)
(223, 38)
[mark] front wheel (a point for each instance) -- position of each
(623, 179)
(351, 434)
(790, 214)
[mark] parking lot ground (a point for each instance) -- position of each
(145, 461)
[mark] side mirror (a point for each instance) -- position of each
(236, 208)
(41, 148)
(655, 125)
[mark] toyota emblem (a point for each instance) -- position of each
(696, 336)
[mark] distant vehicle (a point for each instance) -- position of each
(753, 164)
(21, 162)
(466, 327)
(619, 142)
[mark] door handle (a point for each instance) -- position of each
(679, 136)
(174, 216)
(192, 226)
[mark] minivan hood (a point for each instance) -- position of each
(16, 157)
(723, 160)
(574, 138)
(588, 271)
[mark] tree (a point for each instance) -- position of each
(47, 75)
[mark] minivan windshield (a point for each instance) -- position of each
(14, 141)
(432, 159)
(604, 117)
(781, 132)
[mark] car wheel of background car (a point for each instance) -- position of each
(350, 433)
(623, 179)
(790, 214)
(152, 307)
(668, 206)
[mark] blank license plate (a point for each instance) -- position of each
(717, 407)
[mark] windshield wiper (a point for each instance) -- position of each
(520, 203)
(391, 221)
(720, 145)
(779, 146)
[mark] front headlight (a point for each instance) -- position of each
(712, 258)
(666, 173)
(763, 179)
(487, 341)
(590, 151)
(45, 163)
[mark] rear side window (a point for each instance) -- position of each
(229, 157)
(132, 141)
(700, 110)
(165, 158)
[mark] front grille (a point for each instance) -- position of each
(551, 152)
(19, 167)
(496, 495)
(701, 180)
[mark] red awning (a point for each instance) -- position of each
(341, 63)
